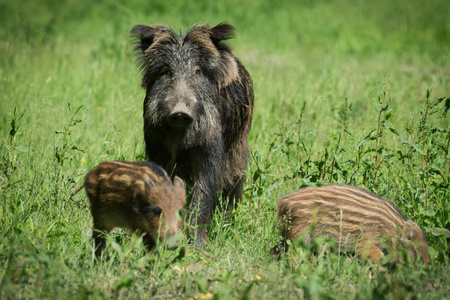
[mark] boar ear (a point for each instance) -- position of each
(409, 231)
(144, 36)
(148, 184)
(142, 198)
(178, 182)
(222, 32)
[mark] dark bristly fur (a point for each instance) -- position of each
(352, 217)
(197, 112)
(137, 196)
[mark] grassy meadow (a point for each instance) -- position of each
(345, 92)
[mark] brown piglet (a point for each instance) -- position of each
(137, 196)
(354, 218)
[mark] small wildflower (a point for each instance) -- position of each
(206, 296)
(178, 270)
(257, 277)
(85, 161)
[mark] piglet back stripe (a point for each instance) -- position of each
(343, 194)
(357, 206)
(155, 173)
(370, 196)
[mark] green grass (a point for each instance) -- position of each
(345, 92)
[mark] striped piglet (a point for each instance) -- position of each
(137, 196)
(354, 218)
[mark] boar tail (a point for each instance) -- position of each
(77, 190)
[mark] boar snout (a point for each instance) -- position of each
(173, 241)
(180, 119)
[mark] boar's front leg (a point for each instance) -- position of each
(204, 193)
(149, 242)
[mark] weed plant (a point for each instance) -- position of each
(350, 92)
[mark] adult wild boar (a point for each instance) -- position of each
(197, 112)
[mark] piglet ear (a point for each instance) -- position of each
(222, 32)
(178, 182)
(409, 231)
(142, 198)
(148, 184)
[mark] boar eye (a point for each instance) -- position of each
(198, 71)
(165, 71)
(167, 74)
(156, 210)
(149, 211)
(180, 214)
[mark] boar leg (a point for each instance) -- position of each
(204, 196)
(99, 241)
(149, 242)
(277, 250)
(100, 230)
(370, 250)
(200, 212)
(375, 254)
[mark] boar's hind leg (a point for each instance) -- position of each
(100, 230)
(99, 241)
